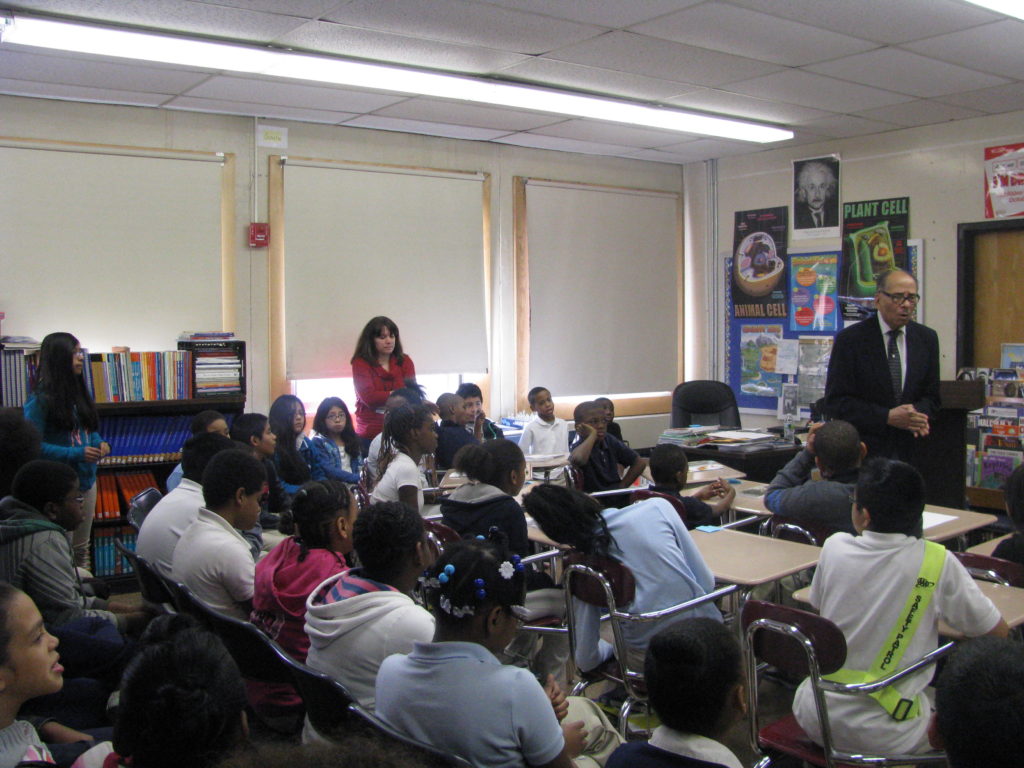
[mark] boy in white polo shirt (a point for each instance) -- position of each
(886, 589)
(545, 433)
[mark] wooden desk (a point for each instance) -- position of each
(988, 547)
(749, 560)
(701, 476)
(965, 521)
(756, 465)
(750, 498)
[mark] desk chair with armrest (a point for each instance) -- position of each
(705, 402)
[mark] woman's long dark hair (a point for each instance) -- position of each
(365, 350)
(291, 466)
(65, 399)
(348, 434)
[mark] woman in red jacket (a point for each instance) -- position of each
(378, 367)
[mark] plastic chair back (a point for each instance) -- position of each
(990, 568)
(428, 755)
(786, 651)
(573, 477)
(590, 586)
(327, 701)
(141, 505)
(704, 402)
(677, 503)
(151, 585)
(440, 535)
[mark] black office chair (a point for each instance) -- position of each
(327, 701)
(704, 402)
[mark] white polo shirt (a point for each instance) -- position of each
(166, 523)
(541, 437)
(214, 561)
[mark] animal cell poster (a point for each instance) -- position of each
(759, 346)
(759, 263)
(813, 292)
(874, 240)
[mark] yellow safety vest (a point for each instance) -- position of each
(888, 659)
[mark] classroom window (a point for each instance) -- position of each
(312, 391)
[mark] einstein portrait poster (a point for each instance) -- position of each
(816, 197)
(759, 282)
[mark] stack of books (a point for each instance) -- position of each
(123, 377)
(218, 371)
(19, 368)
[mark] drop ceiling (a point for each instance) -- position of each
(822, 68)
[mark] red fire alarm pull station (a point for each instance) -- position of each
(259, 235)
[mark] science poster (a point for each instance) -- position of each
(874, 240)
(758, 349)
(759, 263)
(813, 292)
(1004, 181)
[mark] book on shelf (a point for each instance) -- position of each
(219, 366)
(107, 561)
(123, 377)
(145, 439)
(205, 335)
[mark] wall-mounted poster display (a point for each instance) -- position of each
(816, 197)
(759, 346)
(874, 240)
(814, 292)
(759, 263)
(1004, 181)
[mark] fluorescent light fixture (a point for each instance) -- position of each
(1009, 7)
(167, 49)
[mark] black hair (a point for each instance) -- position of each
(228, 471)
(365, 349)
(1014, 494)
(398, 425)
(491, 462)
(348, 434)
(413, 394)
(202, 420)
(470, 577)
(314, 509)
(199, 449)
(7, 595)
(837, 446)
(604, 402)
(164, 627)
(65, 398)
(384, 537)
(581, 410)
(691, 668)
(569, 517)
(446, 404)
(292, 468)
(181, 703)
(531, 396)
(468, 389)
(893, 493)
(665, 461)
(20, 442)
(247, 426)
(40, 482)
(979, 704)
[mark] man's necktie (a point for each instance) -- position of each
(895, 367)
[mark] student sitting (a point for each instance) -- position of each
(694, 677)
(253, 431)
(599, 455)
(454, 694)
(320, 523)
(336, 450)
(1013, 547)
(176, 511)
(979, 705)
(836, 450)
(545, 433)
(357, 619)
(451, 432)
(648, 538)
(408, 435)
(669, 469)
(473, 399)
(403, 396)
(866, 585)
(611, 426)
(211, 557)
(293, 454)
(204, 421)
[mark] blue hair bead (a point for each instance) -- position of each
(449, 569)
(481, 593)
(442, 577)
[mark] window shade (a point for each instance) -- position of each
(604, 274)
(404, 243)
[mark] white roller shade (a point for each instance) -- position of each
(404, 243)
(111, 248)
(604, 279)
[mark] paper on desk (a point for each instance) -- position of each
(932, 519)
(705, 466)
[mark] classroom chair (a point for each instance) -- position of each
(427, 755)
(994, 569)
(802, 644)
(326, 700)
(677, 504)
(711, 403)
(573, 477)
(610, 585)
(151, 585)
(439, 535)
(141, 505)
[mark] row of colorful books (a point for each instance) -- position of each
(144, 439)
(1000, 445)
(18, 370)
(106, 560)
(122, 377)
(115, 490)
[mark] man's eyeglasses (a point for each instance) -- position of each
(903, 298)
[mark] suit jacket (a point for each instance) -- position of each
(802, 218)
(859, 390)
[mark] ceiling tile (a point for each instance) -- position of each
(919, 113)
(681, 156)
(327, 37)
(883, 21)
(464, 22)
(844, 126)
(447, 130)
(612, 133)
(1002, 98)
(726, 28)
(88, 72)
(712, 147)
(477, 116)
(606, 13)
(991, 48)
(537, 141)
(639, 54)
(738, 105)
(190, 104)
(595, 79)
(905, 72)
(288, 94)
(80, 93)
(797, 86)
(306, 9)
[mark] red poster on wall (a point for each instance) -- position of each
(1004, 181)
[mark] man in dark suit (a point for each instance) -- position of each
(883, 376)
(815, 204)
